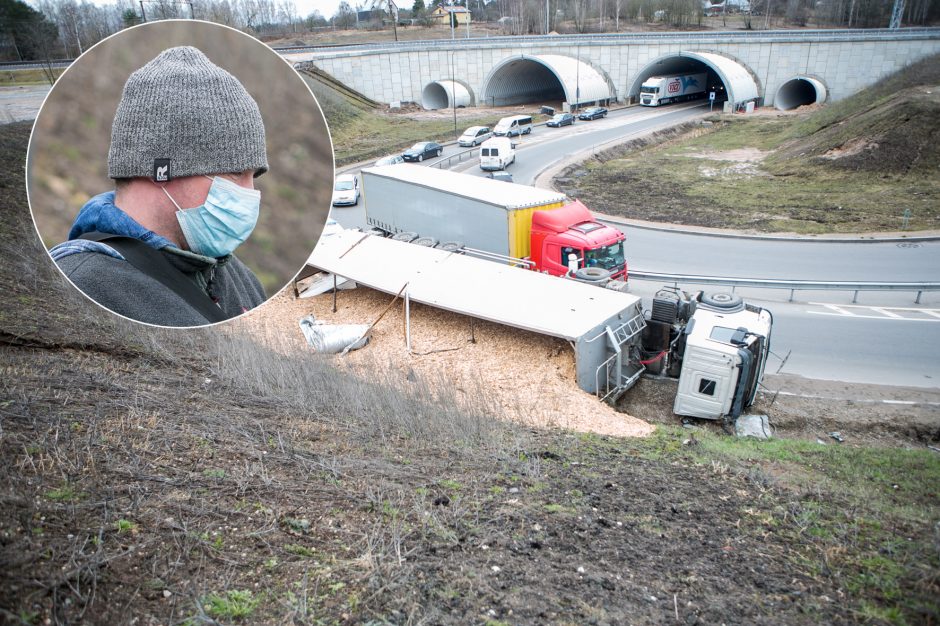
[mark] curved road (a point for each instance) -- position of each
(884, 339)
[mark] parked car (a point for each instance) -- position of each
(474, 135)
(423, 150)
(593, 113)
(346, 190)
(561, 119)
(505, 177)
(390, 160)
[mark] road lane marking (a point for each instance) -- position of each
(874, 317)
(838, 310)
(904, 313)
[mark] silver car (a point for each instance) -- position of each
(474, 135)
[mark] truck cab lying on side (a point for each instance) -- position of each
(714, 343)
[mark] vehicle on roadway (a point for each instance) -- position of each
(561, 119)
(497, 153)
(505, 177)
(593, 113)
(346, 190)
(513, 126)
(423, 150)
(474, 135)
(507, 219)
(393, 159)
(657, 90)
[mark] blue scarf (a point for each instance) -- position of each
(100, 214)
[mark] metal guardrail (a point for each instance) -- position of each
(853, 34)
(792, 285)
(447, 162)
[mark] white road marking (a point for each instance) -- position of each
(860, 400)
(885, 312)
(874, 317)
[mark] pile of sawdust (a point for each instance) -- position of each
(530, 377)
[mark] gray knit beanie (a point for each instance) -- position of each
(179, 116)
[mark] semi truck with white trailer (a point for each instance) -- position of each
(714, 344)
(657, 90)
(535, 228)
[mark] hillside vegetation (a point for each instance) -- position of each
(201, 477)
(867, 163)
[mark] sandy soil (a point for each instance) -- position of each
(530, 376)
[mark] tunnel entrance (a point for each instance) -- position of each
(544, 78)
(445, 94)
(522, 81)
(728, 79)
(799, 91)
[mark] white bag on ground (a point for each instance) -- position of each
(333, 338)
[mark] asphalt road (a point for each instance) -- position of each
(882, 339)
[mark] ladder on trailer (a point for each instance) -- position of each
(619, 372)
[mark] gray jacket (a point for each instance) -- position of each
(117, 285)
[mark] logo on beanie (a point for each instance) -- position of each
(161, 170)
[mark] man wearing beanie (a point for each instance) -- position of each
(186, 144)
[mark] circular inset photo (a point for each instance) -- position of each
(180, 173)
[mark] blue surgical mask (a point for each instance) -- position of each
(223, 222)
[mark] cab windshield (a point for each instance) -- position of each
(609, 257)
(645, 89)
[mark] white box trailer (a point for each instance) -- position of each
(479, 213)
(657, 90)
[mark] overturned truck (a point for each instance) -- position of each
(715, 344)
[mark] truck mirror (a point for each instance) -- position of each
(572, 263)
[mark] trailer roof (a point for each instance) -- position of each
(495, 192)
(483, 289)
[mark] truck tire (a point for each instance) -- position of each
(618, 285)
(722, 300)
(593, 274)
(450, 246)
(405, 236)
(427, 242)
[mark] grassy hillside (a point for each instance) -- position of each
(201, 477)
(853, 166)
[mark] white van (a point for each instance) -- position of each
(514, 126)
(496, 153)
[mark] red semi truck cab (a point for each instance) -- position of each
(571, 229)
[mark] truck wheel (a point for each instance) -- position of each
(427, 242)
(592, 273)
(405, 236)
(722, 300)
(450, 246)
